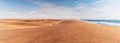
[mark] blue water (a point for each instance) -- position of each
(106, 22)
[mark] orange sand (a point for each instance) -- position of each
(56, 31)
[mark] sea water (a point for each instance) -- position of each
(105, 22)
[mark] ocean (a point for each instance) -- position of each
(105, 22)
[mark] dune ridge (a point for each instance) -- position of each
(18, 23)
(61, 31)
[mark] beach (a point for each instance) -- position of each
(56, 31)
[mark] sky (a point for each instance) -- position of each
(60, 9)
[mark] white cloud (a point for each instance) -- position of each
(107, 10)
(55, 12)
(101, 9)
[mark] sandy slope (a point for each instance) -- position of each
(19, 24)
(56, 31)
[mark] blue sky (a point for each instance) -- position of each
(70, 3)
(16, 5)
(23, 5)
(60, 9)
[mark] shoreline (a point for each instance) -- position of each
(32, 23)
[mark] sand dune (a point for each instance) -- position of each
(56, 31)
(17, 23)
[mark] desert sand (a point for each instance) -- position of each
(56, 31)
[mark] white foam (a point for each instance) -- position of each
(107, 23)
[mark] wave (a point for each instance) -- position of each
(105, 22)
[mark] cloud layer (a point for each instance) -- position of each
(100, 9)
